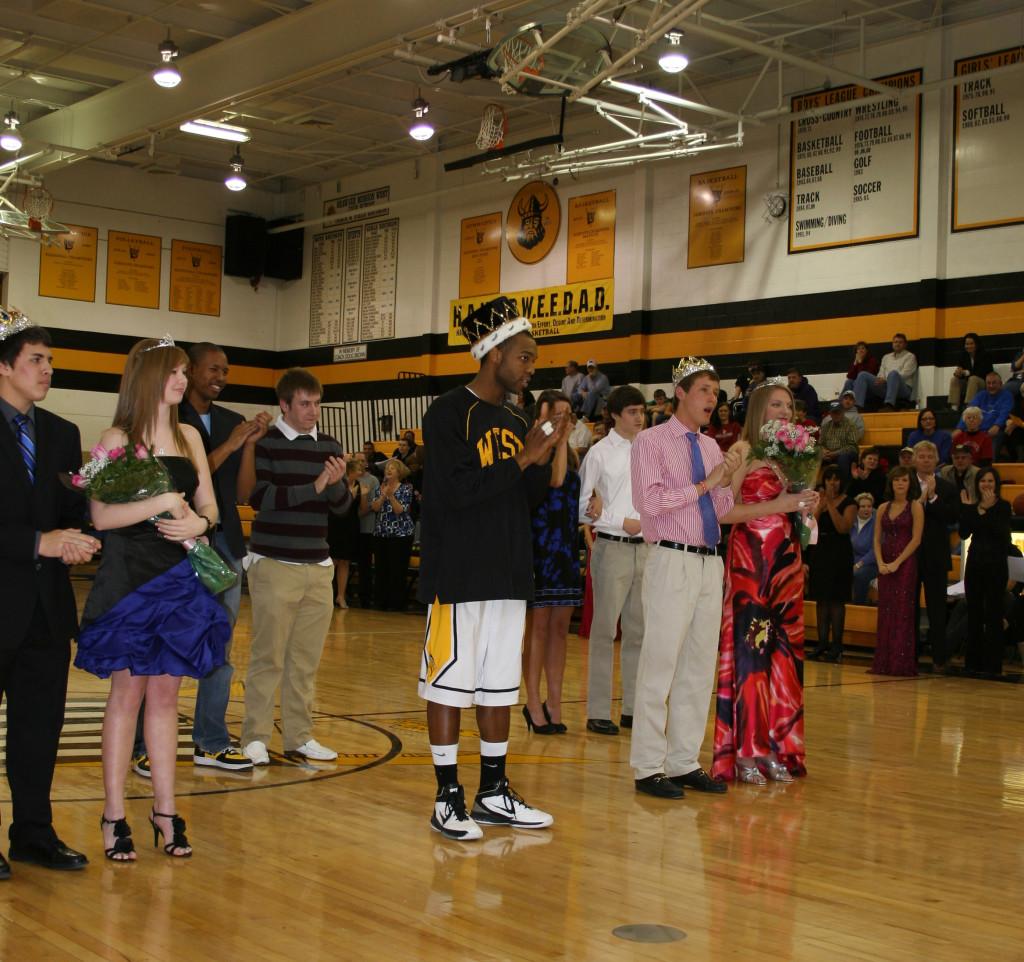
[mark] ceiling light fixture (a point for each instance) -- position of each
(10, 139)
(235, 180)
(422, 129)
(166, 74)
(217, 130)
(673, 60)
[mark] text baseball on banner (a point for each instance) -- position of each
(855, 169)
(988, 133)
(553, 311)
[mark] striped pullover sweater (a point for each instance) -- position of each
(291, 518)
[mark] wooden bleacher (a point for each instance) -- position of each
(885, 429)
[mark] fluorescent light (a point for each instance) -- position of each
(217, 130)
(673, 60)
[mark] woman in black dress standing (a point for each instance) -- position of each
(831, 565)
(987, 523)
(343, 534)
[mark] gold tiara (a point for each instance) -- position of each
(12, 322)
(691, 365)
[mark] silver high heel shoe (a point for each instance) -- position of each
(776, 771)
(750, 774)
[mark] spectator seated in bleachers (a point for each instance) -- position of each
(962, 472)
(723, 428)
(868, 475)
(862, 540)
(971, 434)
(969, 375)
(800, 415)
(571, 381)
(1013, 441)
(849, 403)
(746, 383)
(896, 379)
(996, 405)
(839, 441)
(588, 401)
(863, 360)
(927, 431)
(906, 457)
(802, 390)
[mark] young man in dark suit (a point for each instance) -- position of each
(224, 433)
(41, 521)
(934, 562)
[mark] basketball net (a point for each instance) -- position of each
(38, 204)
(493, 128)
(513, 52)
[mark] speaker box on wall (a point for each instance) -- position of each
(245, 246)
(284, 252)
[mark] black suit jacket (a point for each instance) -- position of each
(225, 478)
(933, 556)
(27, 508)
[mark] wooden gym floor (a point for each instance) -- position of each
(904, 843)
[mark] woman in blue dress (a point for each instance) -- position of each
(148, 620)
(556, 579)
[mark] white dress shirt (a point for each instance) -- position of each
(605, 471)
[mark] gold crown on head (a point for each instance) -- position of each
(691, 365)
(492, 323)
(12, 322)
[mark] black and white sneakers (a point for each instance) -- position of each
(450, 817)
(502, 805)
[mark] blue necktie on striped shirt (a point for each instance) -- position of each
(712, 533)
(26, 445)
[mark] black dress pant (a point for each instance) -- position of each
(391, 574)
(364, 558)
(985, 588)
(935, 600)
(34, 679)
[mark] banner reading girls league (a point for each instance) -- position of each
(855, 168)
(988, 131)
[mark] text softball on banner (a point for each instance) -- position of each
(553, 311)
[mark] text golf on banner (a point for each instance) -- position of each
(553, 311)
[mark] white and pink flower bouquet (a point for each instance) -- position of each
(793, 453)
(122, 475)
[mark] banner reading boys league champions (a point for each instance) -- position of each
(568, 309)
(855, 168)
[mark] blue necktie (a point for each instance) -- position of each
(708, 517)
(26, 445)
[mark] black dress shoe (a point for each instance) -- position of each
(602, 726)
(5, 869)
(55, 855)
(660, 786)
(626, 721)
(700, 781)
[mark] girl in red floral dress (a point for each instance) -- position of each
(759, 718)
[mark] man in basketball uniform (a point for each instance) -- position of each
(485, 467)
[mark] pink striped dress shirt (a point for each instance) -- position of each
(663, 488)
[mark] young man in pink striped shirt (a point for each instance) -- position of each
(681, 487)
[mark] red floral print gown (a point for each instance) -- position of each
(760, 705)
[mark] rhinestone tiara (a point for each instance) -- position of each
(691, 365)
(777, 381)
(165, 341)
(12, 322)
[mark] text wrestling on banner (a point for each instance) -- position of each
(553, 311)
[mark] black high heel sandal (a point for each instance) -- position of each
(178, 838)
(532, 726)
(123, 844)
(559, 727)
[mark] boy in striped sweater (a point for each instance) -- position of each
(292, 476)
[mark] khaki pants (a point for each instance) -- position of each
(292, 606)
(682, 622)
(616, 570)
(961, 390)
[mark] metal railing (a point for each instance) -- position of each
(353, 422)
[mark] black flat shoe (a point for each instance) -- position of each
(700, 781)
(55, 855)
(626, 721)
(532, 726)
(603, 726)
(559, 727)
(816, 655)
(659, 785)
(5, 869)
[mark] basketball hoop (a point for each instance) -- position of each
(38, 204)
(493, 128)
(576, 58)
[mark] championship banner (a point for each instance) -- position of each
(988, 142)
(195, 278)
(68, 268)
(570, 309)
(855, 171)
(590, 241)
(480, 255)
(133, 269)
(718, 217)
